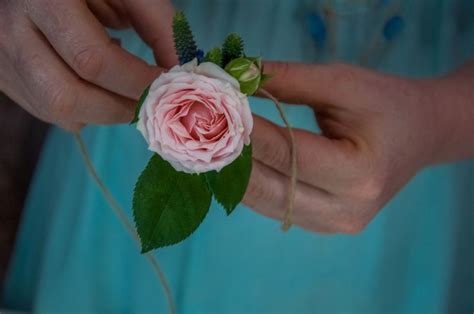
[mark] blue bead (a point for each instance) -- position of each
(393, 27)
(317, 28)
(200, 55)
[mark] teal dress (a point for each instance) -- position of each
(73, 255)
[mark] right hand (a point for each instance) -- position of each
(58, 62)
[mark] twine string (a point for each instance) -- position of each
(287, 220)
(124, 219)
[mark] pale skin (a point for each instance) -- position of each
(378, 131)
(58, 62)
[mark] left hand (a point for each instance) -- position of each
(377, 132)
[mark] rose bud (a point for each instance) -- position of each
(248, 71)
(196, 118)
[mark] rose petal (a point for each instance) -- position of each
(196, 118)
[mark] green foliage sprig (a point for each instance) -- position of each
(215, 56)
(185, 45)
(232, 48)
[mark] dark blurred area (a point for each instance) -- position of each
(22, 136)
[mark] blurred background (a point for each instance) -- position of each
(22, 137)
(420, 245)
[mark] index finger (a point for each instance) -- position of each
(318, 85)
(153, 21)
(80, 39)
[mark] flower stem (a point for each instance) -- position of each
(287, 220)
(124, 219)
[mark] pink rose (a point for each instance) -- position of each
(196, 118)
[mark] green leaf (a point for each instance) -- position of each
(184, 43)
(215, 56)
(139, 104)
(229, 185)
(168, 205)
(232, 48)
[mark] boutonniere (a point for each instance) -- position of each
(196, 119)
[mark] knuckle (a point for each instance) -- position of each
(275, 152)
(87, 63)
(31, 7)
(354, 218)
(28, 5)
(284, 69)
(369, 183)
(71, 126)
(370, 188)
(257, 192)
(341, 73)
(25, 62)
(278, 157)
(8, 23)
(352, 226)
(61, 104)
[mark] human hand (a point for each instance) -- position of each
(58, 62)
(377, 132)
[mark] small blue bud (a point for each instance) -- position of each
(200, 55)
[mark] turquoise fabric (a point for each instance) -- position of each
(73, 256)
